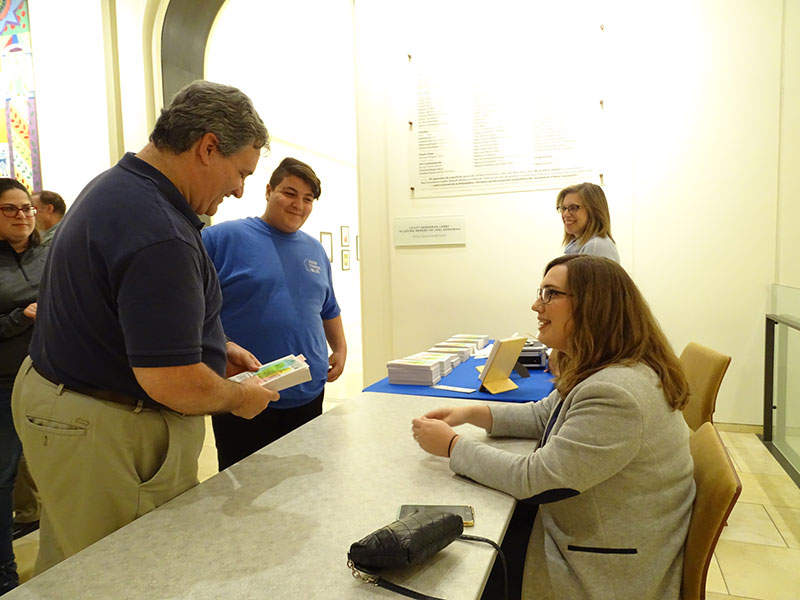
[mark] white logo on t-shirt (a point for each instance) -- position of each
(312, 266)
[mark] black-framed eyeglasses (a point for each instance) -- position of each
(571, 209)
(547, 294)
(11, 211)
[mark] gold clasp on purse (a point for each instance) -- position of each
(362, 576)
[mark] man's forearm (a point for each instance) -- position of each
(192, 389)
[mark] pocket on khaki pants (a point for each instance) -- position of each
(178, 472)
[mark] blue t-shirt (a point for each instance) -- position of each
(276, 291)
(127, 283)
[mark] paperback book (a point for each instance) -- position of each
(279, 374)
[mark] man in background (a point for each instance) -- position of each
(50, 209)
(277, 299)
(128, 350)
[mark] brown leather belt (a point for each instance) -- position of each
(107, 395)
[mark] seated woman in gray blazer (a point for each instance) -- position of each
(587, 224)
(611, 472)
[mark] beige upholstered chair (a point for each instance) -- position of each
(704, 369)
(718, 487)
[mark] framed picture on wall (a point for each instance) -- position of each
(358, 252)
(345, 260)
(345, 235)
(326, 239)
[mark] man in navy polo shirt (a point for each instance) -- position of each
(128, 350)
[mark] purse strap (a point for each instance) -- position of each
(403, 590)
(379, 581)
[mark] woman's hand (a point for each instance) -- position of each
(433, 435)
(30, 311)
(478, 415)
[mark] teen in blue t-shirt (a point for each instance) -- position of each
(277, 299)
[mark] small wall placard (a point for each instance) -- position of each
(430, 231)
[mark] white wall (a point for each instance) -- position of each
(788, 240)
(69, 73)
(71, 88)
(135, 71)
(788, 247)
(693, 100)
(706, 171)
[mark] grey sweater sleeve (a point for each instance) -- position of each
(599, 433)
(526, 420)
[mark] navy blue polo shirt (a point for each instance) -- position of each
(128, 283)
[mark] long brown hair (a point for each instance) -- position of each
(593, 201)
(613, 325)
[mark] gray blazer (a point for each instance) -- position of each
(614, 480)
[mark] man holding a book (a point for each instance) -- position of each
(128, 351)
(277, 300)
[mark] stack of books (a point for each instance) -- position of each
(445, 360)
(427, 368)
(279, 374)
(479, 340)
(465, 344)
(415, 371)
(463, 349)
(455, 354)
(460, 353)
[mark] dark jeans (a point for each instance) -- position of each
(515, 547)
(10, 450)
(238, 438)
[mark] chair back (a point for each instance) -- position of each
(718, 487)
(704, 369)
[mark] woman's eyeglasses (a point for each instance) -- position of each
(547, 294)
(571, 209)
(11, 211)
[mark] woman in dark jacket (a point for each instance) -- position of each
(21, 262)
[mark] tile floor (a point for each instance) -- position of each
(757, 557)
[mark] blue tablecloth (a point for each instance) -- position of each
(531, 389)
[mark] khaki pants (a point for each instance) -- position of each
(26, 496)
(98, 465)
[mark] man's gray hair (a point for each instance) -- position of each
(206, 107)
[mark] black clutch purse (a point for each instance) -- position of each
(409, 541)
(405, 542)
(402, 543)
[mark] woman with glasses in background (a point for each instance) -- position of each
(21, 262)
(587, 224)
(611, 471)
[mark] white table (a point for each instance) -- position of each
(279, 523)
